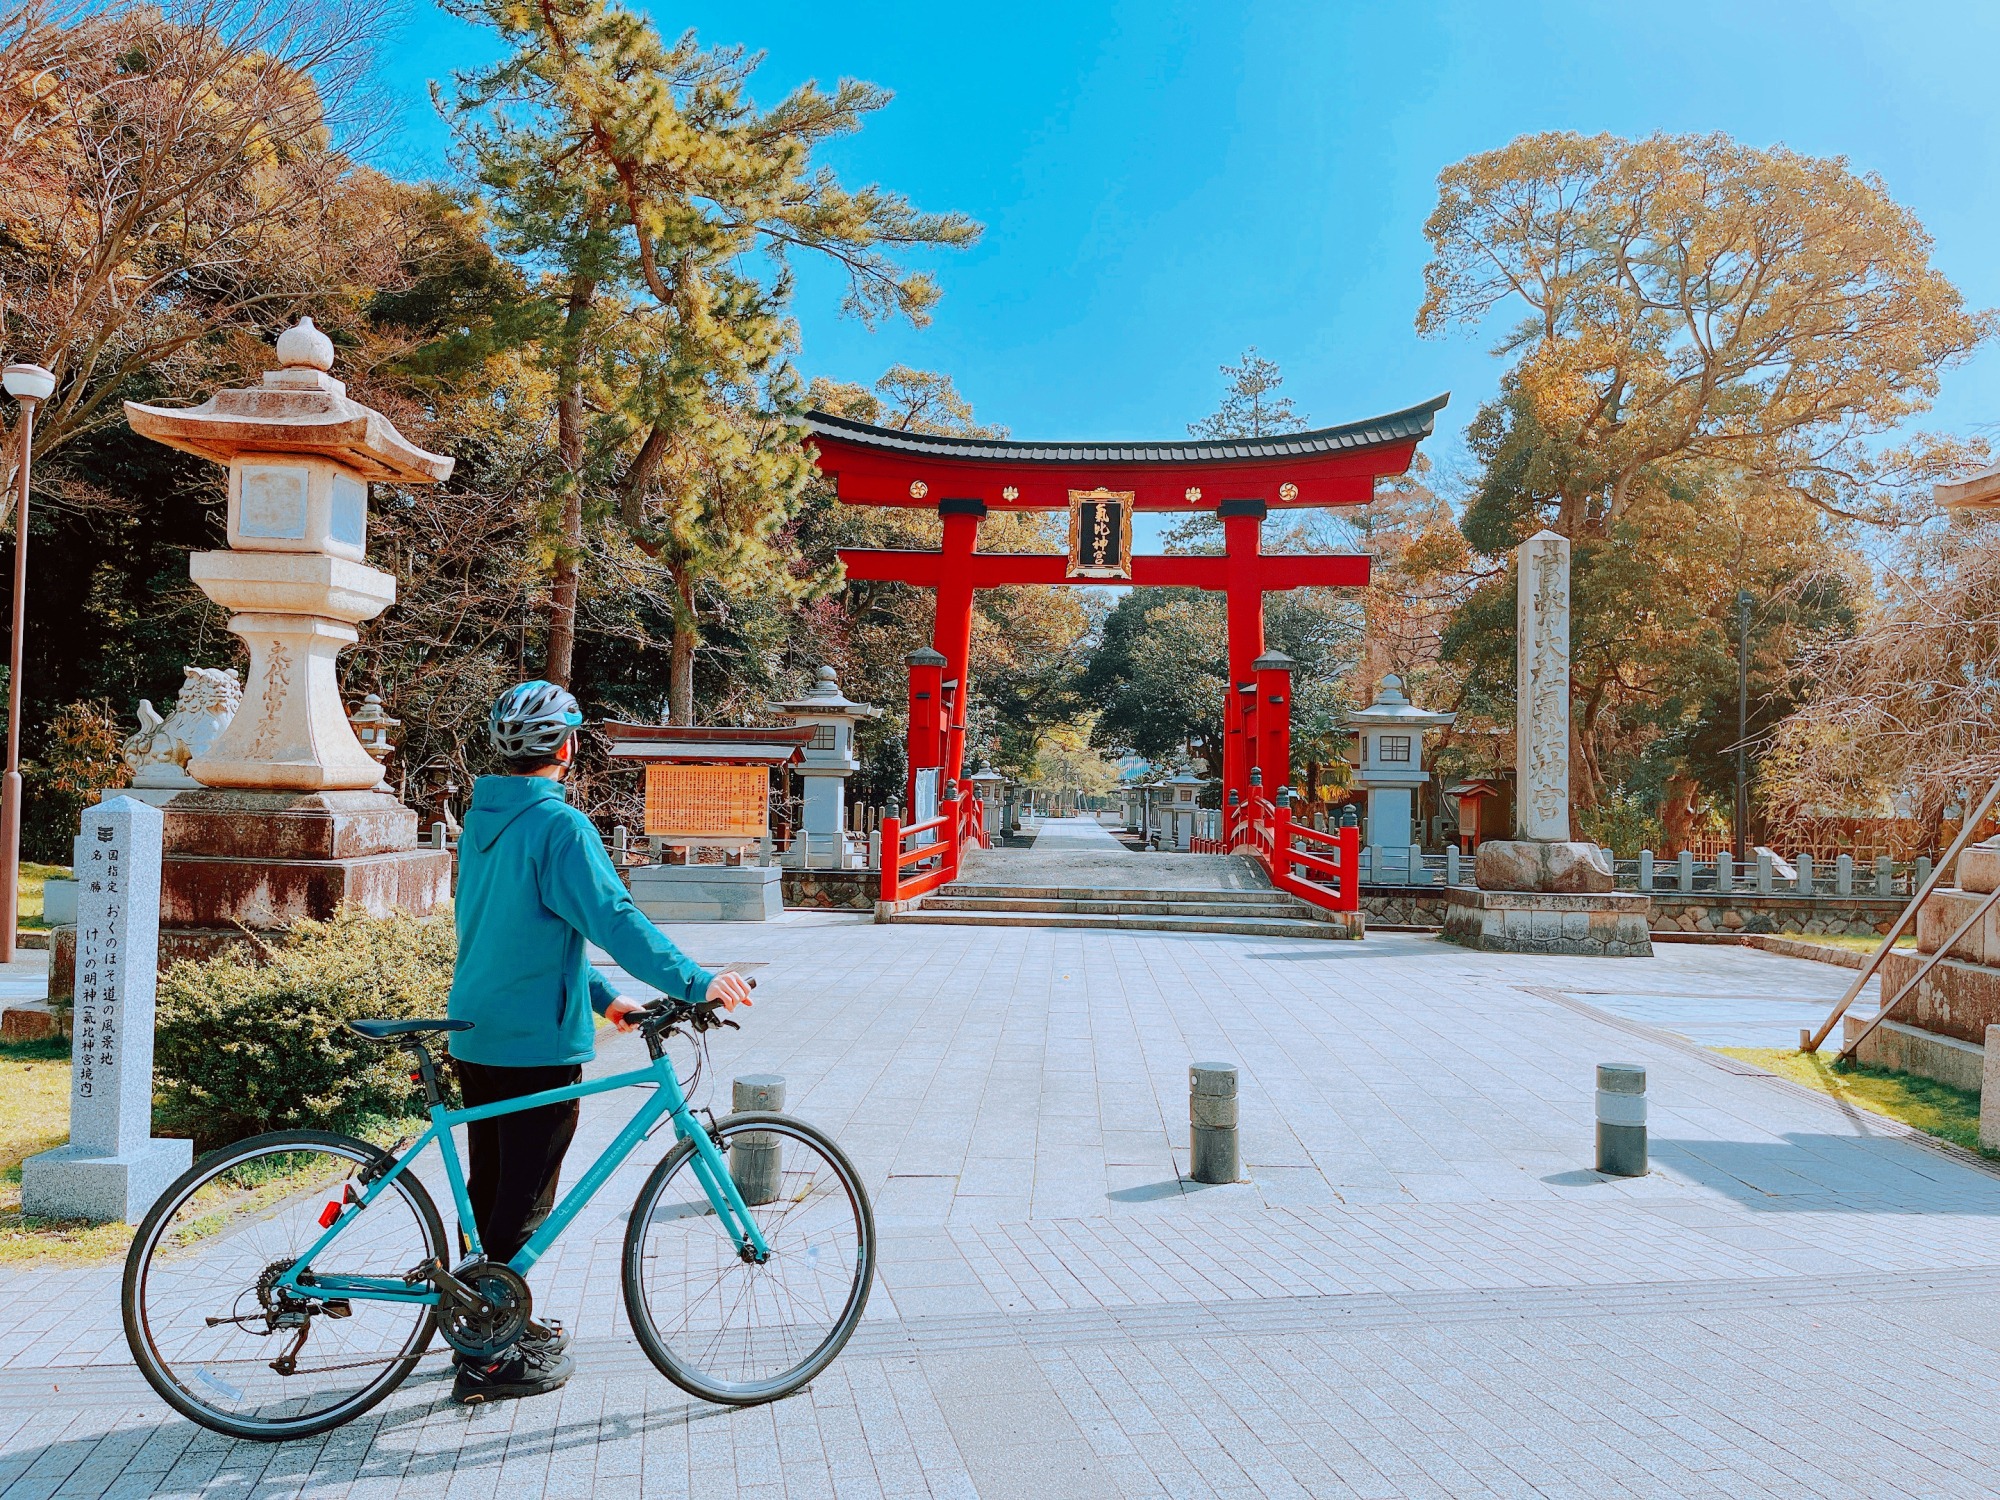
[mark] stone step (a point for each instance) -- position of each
(1276, 927)
(1097, 893)
(1280, 910)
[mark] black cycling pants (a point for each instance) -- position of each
(515, 1159)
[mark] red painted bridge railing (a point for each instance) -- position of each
(1325, 869)
(933, 859)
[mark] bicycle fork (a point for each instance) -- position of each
(711, 1170)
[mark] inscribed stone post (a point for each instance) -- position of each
(1541, 717)
(112, 1169)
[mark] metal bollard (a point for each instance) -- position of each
(1621, 1119)
(1212, 1122)
(754, 1159)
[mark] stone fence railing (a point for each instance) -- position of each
(1767, 874)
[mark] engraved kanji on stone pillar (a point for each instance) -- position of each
(112, 1169)
(1541, 722)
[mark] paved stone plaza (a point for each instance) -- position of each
(1422, 1290)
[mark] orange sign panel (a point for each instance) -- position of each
(724, 802)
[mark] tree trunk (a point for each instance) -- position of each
(563, 590)
(566, 578)
(680, 664)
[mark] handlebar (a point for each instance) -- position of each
(664, 1014)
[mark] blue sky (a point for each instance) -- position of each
(1165, 184)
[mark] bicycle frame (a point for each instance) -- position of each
(667, 1102)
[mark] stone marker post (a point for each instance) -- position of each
(112, 1169)
(755, 1161)
(1621, 1119)
(1213, 1156)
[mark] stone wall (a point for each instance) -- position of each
(1675, 911)
(1403, 906)
(833, 890)
(1746, 911)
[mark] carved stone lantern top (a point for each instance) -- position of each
(297, 409)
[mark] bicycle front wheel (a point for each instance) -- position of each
(221, 1342)
(728, 1329)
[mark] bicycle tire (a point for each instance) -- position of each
(681, 1371)
(139, 1333)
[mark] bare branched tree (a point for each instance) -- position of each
(173, 180)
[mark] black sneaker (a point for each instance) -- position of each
(545, 1336)
(517, 1373)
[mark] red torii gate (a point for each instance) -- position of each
(1239, 479)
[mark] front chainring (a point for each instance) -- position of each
(499, 1318)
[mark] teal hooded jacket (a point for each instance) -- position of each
(534, 883)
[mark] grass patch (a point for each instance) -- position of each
(34, 1116)
(1852, 944)
(33, 877)
(1935, 1108)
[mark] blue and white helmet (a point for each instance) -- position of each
(532, 721)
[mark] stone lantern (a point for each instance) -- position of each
(986, 783)
(295, 577)
(1390, 769)
(279, 817)
(1179, 800)
(829, 761)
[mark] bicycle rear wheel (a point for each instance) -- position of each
(206, 1322)
(729, 1330)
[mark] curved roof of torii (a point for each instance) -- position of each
(1325, 466)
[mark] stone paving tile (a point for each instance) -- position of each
(1419, 1291)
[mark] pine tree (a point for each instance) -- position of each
(639, 180)
(1252, 407)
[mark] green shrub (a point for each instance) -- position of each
(243, 1047)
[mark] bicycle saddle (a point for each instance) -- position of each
(389, 1031)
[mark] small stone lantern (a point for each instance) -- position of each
(295, 578)
(829, 760)
(371, 724)
(986, 783)
(1390, 771)
(1179, 800)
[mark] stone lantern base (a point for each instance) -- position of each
(1599, 925)
(240, 864)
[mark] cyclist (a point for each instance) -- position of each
(534, 884)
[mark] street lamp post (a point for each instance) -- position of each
(30, 385)
(1742, 724)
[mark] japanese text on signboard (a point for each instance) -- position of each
(1100, 534)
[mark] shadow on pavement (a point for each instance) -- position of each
(1807, 1173)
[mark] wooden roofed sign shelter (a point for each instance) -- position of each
(1101, 485)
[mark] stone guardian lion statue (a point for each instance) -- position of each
(159, 753)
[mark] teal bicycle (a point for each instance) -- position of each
(286, 1284)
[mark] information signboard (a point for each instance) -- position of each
(722, 802)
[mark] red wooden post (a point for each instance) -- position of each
(1274, 718)
(952, 631)
(952, 830)
(1243, 587)
(1350, 869)
(926, 733)
(892, 857)
(1281, 842)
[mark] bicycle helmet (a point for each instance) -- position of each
(532, 721)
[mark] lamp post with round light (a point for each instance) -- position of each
(30, 385)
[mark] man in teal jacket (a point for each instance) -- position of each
(534, 885)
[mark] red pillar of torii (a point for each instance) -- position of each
(1239, 479)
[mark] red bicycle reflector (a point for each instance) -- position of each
(328, 1214)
